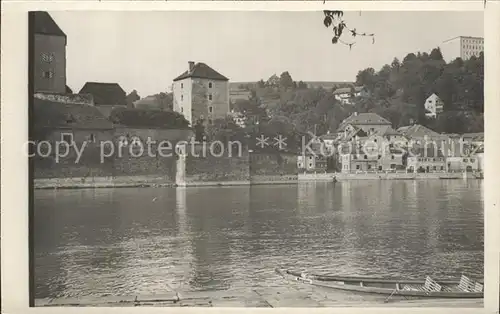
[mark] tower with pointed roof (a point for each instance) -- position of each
(49, 54)
(201, 94)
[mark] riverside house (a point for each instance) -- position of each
(346, 94)
(201, 93)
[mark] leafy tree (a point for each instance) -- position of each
(436, 54)
(148, 118)
(334, 19)
(286, 80)
(133, 96)
(199, 130)
(301, 85)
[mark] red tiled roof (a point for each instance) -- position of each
(201, 70)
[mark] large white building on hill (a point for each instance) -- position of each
(462, 47)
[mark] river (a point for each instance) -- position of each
(141, 240)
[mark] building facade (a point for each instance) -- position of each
(345, 95)
(201, 93)
(369, 123)
(462, 47)
(49, 54)
(433, 106)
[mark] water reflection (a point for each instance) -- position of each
(127, 241)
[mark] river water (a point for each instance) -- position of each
(145, 240)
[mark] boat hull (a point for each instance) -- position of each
(378, 286)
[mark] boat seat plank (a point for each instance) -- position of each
(466, 284)
(429, 286)
(478, 287)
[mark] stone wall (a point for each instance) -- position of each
(206, 167)
(77, 99)
(273, 167)
(89, 164)
(124, 162)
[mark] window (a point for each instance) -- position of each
(210, 97)
(182, 85)
(210, 85)
(442, 168)
(182, 97)
(369, 167)
(379, 156)
(210, 109)
(435, 168)
(67, 137)
(48, 74)
(182, 109)
(210, 121)
(47, 57)
(465, 160)
(357, 167)
(392, 157)
(472, 160)
(366, 157)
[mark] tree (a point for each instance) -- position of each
(199, 130)
(301, 85)
(131, 98)
(148, 118)
(334, 19)
(366, 78)
(286, 80)
(436, 54)
(261, 84)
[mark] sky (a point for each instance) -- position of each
(145, 51)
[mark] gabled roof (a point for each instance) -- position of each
(105, 93)
(474, 136)
(364, 119)
(418, 131)
(387, 131)
(57, 115)
(44, 24)
(201, 70)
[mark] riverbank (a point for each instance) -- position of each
(156, 181)
(284, 296)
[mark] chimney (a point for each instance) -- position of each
(191, 66)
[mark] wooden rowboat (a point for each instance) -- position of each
(424, 288)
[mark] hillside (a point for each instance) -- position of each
(310, 84)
